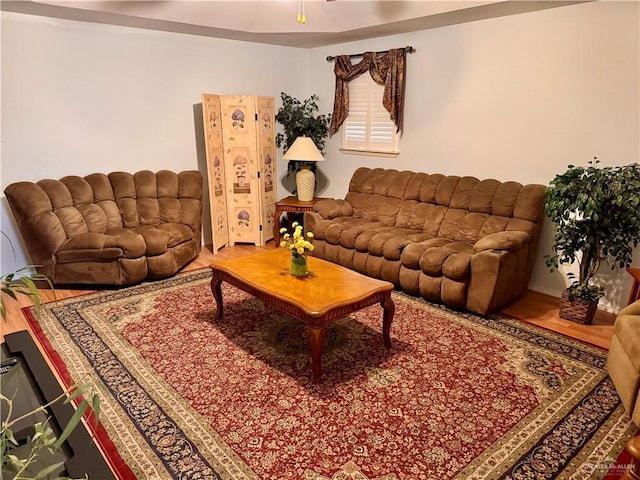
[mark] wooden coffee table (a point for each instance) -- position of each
(329, 292)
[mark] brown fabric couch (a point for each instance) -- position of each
(460, 241)
(623, 359)
(114, 229)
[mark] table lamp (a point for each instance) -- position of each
(304, 150)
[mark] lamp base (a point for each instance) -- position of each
(305, 184)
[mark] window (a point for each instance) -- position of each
(368, 127)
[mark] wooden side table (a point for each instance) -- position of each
(635, 288)
(289, 204)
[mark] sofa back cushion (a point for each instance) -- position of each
(147, 198)
(458, 208)
(374, 207)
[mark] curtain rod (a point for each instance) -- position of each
(408, 49)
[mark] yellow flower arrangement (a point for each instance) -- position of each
(296, 242)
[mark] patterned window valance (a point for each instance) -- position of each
(387, 69)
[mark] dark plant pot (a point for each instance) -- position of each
(577, 309)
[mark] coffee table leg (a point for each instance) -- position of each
(216, 289)
(316, 340)
(389, 309)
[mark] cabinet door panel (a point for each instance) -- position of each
(212, 122)
(267, 151)
(239, 132)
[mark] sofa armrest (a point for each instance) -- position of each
(631, 309)
(511, 241)
(309, 221)
(331, 208)
(121, 244)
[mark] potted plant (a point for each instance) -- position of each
(299, 119)
(300, 246)
(595, 211)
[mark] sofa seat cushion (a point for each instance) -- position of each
(333, 229)
(163, 237)
(433, 259)
(457, 266)
(178, 233)
(350, 235)
(364, 239)
(390, 242)
(115, 243)
(412, 253)
(346, 234)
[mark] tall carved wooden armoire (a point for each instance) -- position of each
(240, 144)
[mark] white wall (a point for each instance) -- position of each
(79, 98)
(513, 98)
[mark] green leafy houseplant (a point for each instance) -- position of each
(299, 118)
(595, 211)
(22, 282)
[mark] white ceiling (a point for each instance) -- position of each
(274, 21)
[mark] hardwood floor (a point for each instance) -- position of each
(542, 310)
(533, 307)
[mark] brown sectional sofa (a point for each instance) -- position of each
(114, 229)
(460, 241)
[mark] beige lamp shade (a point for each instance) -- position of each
(304, 149)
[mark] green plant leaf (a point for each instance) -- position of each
(49, 470)
(95, 406)
(15, 462)
(8, 434)
(10, 291)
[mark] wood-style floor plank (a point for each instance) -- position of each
(535, 308)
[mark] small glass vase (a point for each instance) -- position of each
(298, 265)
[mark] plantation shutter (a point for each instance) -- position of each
(368, 125)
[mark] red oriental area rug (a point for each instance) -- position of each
(457, 396)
